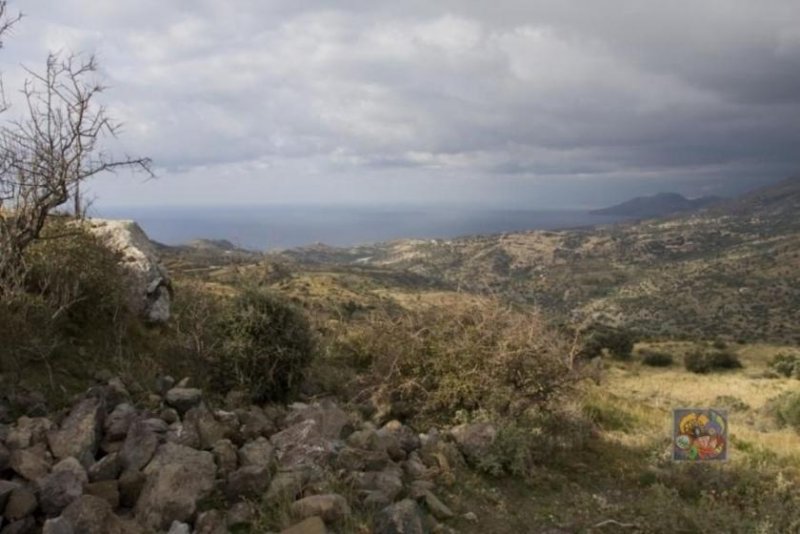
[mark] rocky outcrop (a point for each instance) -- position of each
(151, 288)
(112, 466)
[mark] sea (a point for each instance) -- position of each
(268, 228)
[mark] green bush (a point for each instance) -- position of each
(706, 361)
(786, 365)
(617, 341)
(655, 358)
(265, 346)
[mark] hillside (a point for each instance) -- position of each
(658, 205)
(730, 270)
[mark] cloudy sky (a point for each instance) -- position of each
(523, 103)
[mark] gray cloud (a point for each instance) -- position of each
(550, 102)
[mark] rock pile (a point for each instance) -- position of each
(180, 466)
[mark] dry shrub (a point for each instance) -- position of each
(482, 355)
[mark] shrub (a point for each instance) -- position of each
(786, 364)
(265, 346)
(79, 278)
(436, 361)
(655, 358)
(73, 296)
(619, 342)
(786, 409)
(705, 361)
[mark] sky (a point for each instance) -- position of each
(511, 103)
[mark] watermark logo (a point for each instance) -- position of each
(699, 434)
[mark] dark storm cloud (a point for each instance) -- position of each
(450, 100)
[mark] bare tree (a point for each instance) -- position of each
(47, 155)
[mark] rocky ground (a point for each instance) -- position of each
(174, 463)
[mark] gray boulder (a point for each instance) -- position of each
(403, 517)
(209, 430)
(57, 525)
(118, 422)
(63, 486)
(179, 528)
(258, 452)
(177, 478)
(79, 435)
(184, 399)
(92, 515)
(150, 288)
(225, 456)
(302, 446)
(474, 440)
(139, 447)
(331, 421)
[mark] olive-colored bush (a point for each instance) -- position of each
(264, 345)
(435, 361)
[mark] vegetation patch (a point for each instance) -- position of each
(786, 364)
(655, 358)
(709, 360)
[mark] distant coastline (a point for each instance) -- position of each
(279, 227)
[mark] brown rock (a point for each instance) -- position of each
(249, 482)
(108, 490)
(92, 515)
(31, 463)
(130, 486)
(330, 507)
(6, 488)
(225, 456)
(21, 503)
(311, 525)
(107, 468)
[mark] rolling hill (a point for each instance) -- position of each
(731, 270)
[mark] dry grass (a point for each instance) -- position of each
(652, 393)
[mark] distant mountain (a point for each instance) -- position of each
(658, 205)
